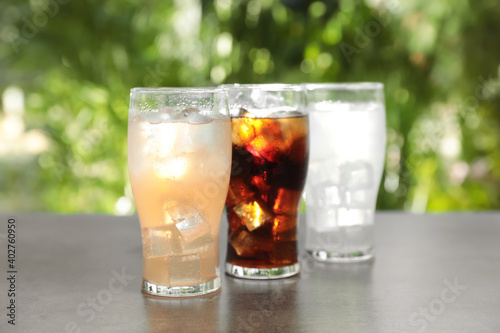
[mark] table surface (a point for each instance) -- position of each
(432, 273)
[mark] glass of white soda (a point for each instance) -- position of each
(347, 150)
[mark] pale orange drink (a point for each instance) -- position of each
(179, 153)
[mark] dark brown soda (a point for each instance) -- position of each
(270, 158)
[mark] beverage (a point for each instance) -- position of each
(179, 165)
(345, 168)
(268, 174)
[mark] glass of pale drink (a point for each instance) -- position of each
(179, 156)
(348, 138)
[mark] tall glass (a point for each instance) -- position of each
(270, 153)
(179, 156)
(348, 137)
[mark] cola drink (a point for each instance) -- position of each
(269, 167)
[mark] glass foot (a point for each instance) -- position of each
(322, 255)
(186, 291)
(262, 273)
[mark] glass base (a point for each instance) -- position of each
(262, 273)
(186, 291)
(322, 255)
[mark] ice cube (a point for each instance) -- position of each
(189, 111)
(265, 100)
(260, 182)
(241, 243)
(168, 140)
(247, 244)
(238, 192)
(356, 175)
(287, 201)
(322, 218)
(185, 269)
(348, 216)
(243, 130)
(207, 135)
(192, 227)
(161, 241)
(331, 196)
(202, 244)
(209, 265)
(284, 228)
(330, 241)
(256, 146)
(326, 194)
(171, 168)
(252, 214)
(193, 116)
(156, 270)
(176, 211)
(358, 199)
(244, 113)
(271, 142)
(324, 170)
(161, 116)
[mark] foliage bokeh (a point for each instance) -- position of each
(67, 67)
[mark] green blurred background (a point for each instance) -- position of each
(67, 66)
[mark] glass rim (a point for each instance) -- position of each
(176, 90)
(344, 86)
(263, 86)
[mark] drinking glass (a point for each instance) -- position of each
(179, 156)
(348, 137)
(270, 153)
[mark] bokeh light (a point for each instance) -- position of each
(65, 87)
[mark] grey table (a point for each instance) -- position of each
(432, 273)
